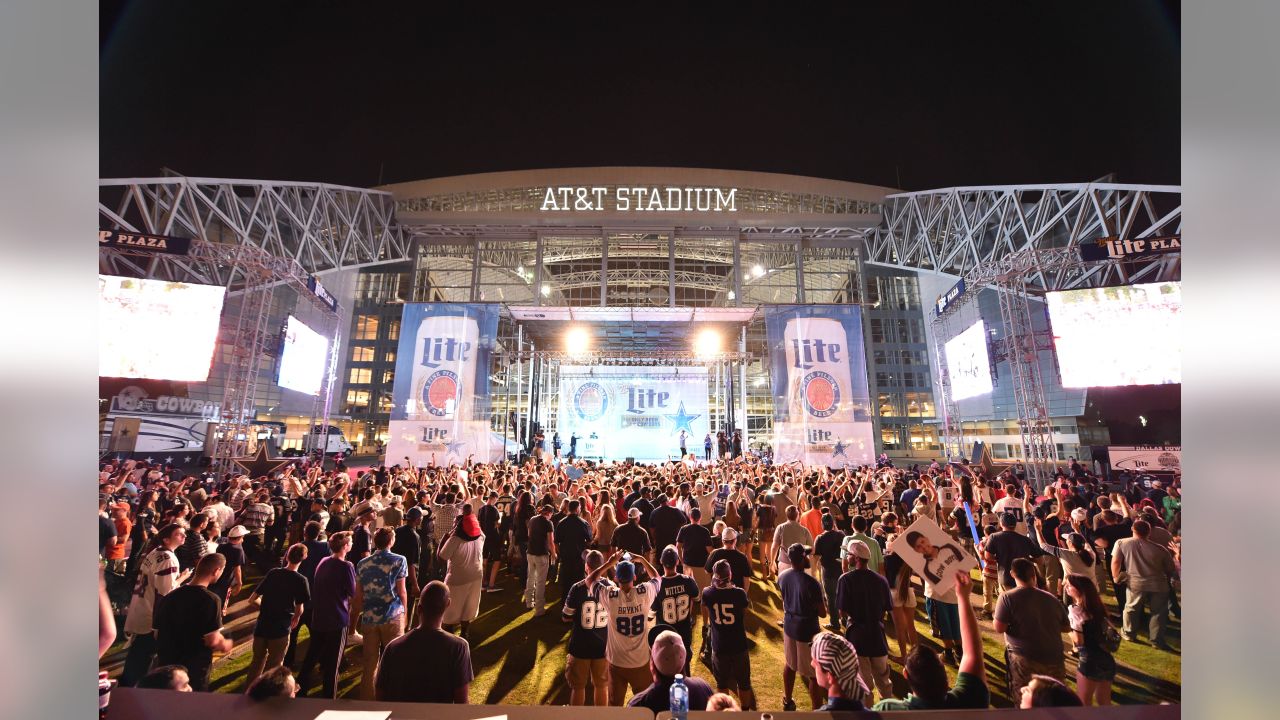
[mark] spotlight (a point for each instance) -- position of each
(757, 270)
(732, 295)
(546, 290)
(707, 344)
(577, 341)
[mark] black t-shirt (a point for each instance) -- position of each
(235, 559)
(657, 697)
(673, 604)
(182, 619)
(827, 550)
(666, 522)
(361, 542)
(727, 608)
(424, 666)
(801, 596)
(489, 516)
(407, 544)
(1007, 546)
(738, 563)
(540, 532)
(106, 531)
(696, 539)
(590, 631)
(1114, 533)
(573, 535)
(316, 551)
(632, 539)
(863, 596)
(280, 590)
(646, 509)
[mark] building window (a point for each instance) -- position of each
(890, 437)
(393, 330)
(367, 327)
(357, 398)
(384, 403)
(361, 354)
(919, 405)
(360, 376)
(388, 377)
(877, 330)
(389, 356)
(885, 380)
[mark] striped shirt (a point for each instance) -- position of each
(257, 517)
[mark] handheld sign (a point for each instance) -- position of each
(932, 553)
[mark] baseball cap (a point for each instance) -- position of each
(237, 531)
(633, 512)
(722, 573)
(626, 572)
(670, 558)
(1079, 515)
(828, 522)
(728, 534)
(859, 548)
(362, 507)
(414, 513)
(668, 653)
(797, 554)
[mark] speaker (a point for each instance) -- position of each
(631, 461)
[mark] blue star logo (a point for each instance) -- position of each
(682, 420)
(454, 448)
(838, 450)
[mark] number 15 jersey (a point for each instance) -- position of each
(628, 644)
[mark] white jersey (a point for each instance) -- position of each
(628, 644)
(1012, 505)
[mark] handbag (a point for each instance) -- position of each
(1111, 639)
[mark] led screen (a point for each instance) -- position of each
(967, 362)
(303, 359)
(1118, 335)
(156, 329)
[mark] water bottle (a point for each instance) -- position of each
(679, 699)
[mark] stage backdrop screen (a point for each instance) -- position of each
(639, 412)
(441, 392)
(1112, 336)
(156, 329)
(968, 365)
(821, 397)
(303, 358)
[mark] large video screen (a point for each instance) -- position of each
(1113, 336)
(156, 329)
(303, 358)
(968, 365)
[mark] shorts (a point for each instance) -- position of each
(493, 550)
(946, 616)
(797, 656)
(580, 672)
(908, 600)
(464, 603)
(1097, 665)
(1051, 567)
(751, 536)
(732, 671)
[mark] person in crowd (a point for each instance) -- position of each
(724, 611)
(188, 624)
(606, 523)
(362, 532)
(668, 657)
(427, 664)
(789, 533)
(627, 606)
(632, 537)
(1147, 571)
(381, 600)
(194, 547)
(232, 580)
(256, 516)
(317, 551)
(927, 676)
(490, 518)
(863, 599)
(1032, 621)
(280, 597)
(693, 542)
(803, 603)
(218, 510)
(539, 555)
(464, 553)
(276, 682)
(673, 606)
(572, 538)
(166, 677)
(1045, 691)
(827, 548)
(1089, 627)
(837, 670)
(113, 550)
(158, 575)
(739, 563)
(1006, 546)
(585, 611)
(331, 616)
(408, 545)
(860, 526)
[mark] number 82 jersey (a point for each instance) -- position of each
(673, 604)
(590, 620)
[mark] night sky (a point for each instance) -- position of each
(929, 96)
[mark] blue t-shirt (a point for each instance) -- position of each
(331, 594)
(378, 574)
(801, 596)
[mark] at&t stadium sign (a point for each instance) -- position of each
(640, 199)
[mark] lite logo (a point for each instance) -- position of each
(430, 434)
(639, 400)
(437, 351)
(808, 352)
(817, 436)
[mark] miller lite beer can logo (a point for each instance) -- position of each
(439, 393)
(820, 394)
(591, 401)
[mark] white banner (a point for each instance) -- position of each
(1146, 458)
(639, 412)
(449, 442)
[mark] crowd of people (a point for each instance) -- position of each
(652, 562)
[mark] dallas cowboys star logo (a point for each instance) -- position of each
(682, 420)
(838, 450)
(454, 448)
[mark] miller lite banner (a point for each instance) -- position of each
(639, 412)
(822, 401)
(441, 393)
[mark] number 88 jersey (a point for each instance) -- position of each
(628, 644)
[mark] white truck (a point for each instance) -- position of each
(331, 443)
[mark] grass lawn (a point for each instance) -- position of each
(520, 661)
